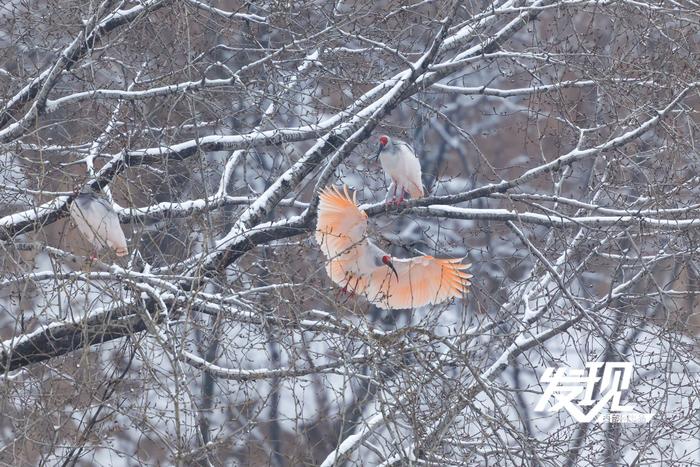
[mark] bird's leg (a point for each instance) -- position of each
(344, 290)
(91, 258)
(354, 289)
(393, 197)
(401, 197)
(387, 198)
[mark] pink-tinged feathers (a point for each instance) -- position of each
(98, 223)
(121, 251)
(341, 224)
(423, 280)
(359, 266)
(416, 191)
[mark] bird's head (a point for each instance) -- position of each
(86, 188)
(383, 142)
(386, 259)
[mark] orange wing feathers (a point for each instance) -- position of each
(341, 224)
(422, 280)
(355, 263)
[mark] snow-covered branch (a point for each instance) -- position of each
(69, 57)
(556, 142)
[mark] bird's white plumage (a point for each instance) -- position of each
(401, 164)
(358, 264)
(98, 222)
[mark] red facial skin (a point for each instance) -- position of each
(386, 259)
(384, 140)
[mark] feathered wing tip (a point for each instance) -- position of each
(115, 235)
(422, 280)
(333, 199)
(340, 224)
(416, 191)
(455, 277)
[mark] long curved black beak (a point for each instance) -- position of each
(391, 265)
(379, 151)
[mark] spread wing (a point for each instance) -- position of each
(341, 224)
(422, 280)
